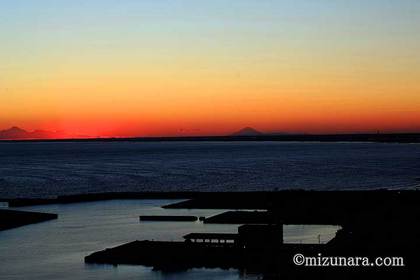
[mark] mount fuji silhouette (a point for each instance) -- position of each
(17, 133)
(247, 131)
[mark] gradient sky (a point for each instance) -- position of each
(188, 67)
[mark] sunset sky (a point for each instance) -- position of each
(188, 67)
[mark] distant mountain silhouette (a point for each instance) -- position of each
(13, 133)
(16, 133)
(247, 131)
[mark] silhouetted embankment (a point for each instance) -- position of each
(312, 207)
(89, 197)
(163, 218)
(241, 217)
(11, 218)
(232, 200)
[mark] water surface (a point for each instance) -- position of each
(56, 249)
(56, 168)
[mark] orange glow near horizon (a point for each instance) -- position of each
(188, 105)
(175, 74)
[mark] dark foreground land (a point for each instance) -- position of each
(271, 263)
(373, 224)
(11, 219)
(379, 223)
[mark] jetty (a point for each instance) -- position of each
(12, 218)
(162, 218)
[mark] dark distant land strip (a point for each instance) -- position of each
(12, 219)
(378, 137)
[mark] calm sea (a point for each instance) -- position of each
(55, 249)
(47, 169)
